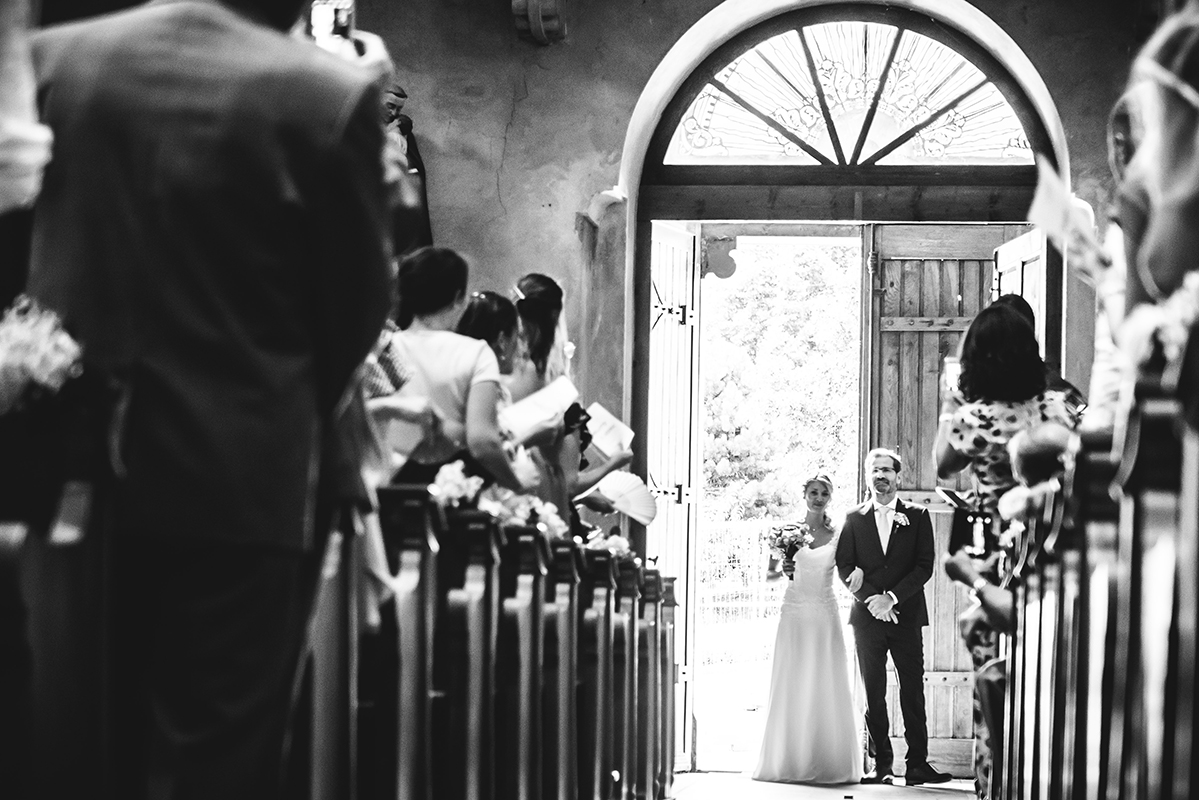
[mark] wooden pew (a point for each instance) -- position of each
(1149, 475)
(464, 658)
(669, 687)
(324, 751)
(411, 523)
(1087, 545)
(560, 700)
(519, 664)
(1183, 383)
(646, 783)
(630, 576)
(597, 593)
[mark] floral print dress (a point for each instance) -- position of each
(981, 431)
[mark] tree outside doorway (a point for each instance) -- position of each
(780, 364)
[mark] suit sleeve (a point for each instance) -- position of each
(354, 283)
(846, 559)
(914, 581)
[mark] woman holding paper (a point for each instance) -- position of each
(544, 357)
(457, 375)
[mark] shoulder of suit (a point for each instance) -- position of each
(866, 507)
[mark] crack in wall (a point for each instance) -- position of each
(519, 93)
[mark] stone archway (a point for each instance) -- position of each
(736, 16)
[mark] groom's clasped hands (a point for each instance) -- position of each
(882, 607)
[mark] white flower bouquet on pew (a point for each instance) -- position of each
(614, 543)
(453, 488)
(37, 356)
(511, 508)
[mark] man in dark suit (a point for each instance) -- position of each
(213, 227)
(891, 543)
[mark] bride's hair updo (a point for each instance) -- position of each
(820, 477)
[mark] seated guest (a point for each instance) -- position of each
(544, 356)
(1001, 391)
(458, 375)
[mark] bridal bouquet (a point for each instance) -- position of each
(36, 354)
(784, 540)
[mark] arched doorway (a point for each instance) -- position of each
(792, 114)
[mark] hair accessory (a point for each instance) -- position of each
(518, 293)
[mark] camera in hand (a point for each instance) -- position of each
(332, 19)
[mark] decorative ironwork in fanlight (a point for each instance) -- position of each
(849, 93)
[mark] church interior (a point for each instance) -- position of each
(630, 150)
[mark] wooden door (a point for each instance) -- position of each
(672, 444)
(928, 281)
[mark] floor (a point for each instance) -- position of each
(725, 785)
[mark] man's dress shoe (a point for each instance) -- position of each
(924, 773)
(879, 775)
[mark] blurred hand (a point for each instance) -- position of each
(789, 568)
(960, 568)
(371, 54)
(597, 502)
(854, 582)
(621, 459)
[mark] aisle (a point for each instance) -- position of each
(723, 785)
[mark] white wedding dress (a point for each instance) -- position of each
(812, 729)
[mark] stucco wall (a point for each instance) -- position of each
(518, 138)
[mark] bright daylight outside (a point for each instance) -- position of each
(780, 360)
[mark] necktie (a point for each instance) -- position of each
(882, 515)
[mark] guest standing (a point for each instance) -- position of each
(458, 375)
(1002, 391)
(214, 227)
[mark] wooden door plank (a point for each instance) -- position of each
(947, 241)
(909, 376)
(972, 287)
(951, 304)
(930, 369)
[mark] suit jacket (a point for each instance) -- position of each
(213, 227)
(903, 570)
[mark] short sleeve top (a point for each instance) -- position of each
(981, 431)
(444, 367)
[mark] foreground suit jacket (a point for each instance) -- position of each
(213, 227)
(903, 570)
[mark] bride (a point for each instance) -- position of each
(812, 732)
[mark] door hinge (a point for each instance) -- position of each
(680, 494)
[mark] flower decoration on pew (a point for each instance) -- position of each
(1167, 323)
(512, 508)
(452, 487)
(36, 354)
(784, 540)
(615, 544)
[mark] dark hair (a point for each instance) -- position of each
(431, 279)
(1000, 357)
(1018, 304)
(488, 316)
(539, 303)
(883, 451)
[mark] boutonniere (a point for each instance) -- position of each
(901, 519)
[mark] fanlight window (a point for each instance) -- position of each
(850, 93)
